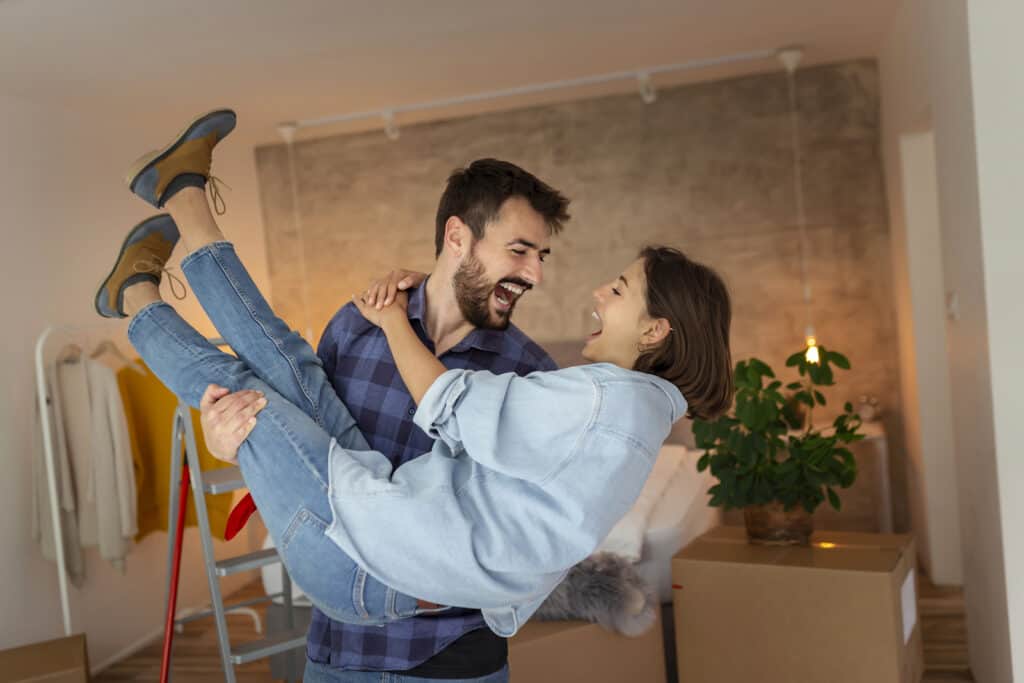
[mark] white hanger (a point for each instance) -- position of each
(107, 346)
(70, 353)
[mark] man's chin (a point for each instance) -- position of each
(498, 321)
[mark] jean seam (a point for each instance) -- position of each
(149, 313)
(203, 250)
(294, 441)
(389, 603)
(359, 593)
(212, 250)
(299, 519)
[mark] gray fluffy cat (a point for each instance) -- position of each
(604, 588)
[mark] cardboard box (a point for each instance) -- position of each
(560, 651)
(63, 660)
(843, 610)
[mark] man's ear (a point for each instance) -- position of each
(656, 331)
(457, 236)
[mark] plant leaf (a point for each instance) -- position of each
(839, 359)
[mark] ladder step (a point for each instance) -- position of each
(257, 649)
(228, 608)
(222, 480)
(242, 563)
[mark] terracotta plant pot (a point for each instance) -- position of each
(771, 524)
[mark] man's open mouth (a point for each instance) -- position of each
(507, 293)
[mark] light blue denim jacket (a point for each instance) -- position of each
(526, 478)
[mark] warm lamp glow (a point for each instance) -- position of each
(825, 545)
(812, 351)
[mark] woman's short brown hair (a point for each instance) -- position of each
(695, 355)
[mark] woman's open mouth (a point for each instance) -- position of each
(600, 326)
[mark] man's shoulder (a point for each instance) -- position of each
(348, 320)
(525, 351)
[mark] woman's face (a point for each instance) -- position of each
(620, 309)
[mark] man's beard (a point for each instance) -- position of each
(473, 292)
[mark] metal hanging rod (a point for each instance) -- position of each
(642, 76)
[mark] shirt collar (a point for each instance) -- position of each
(493, 341)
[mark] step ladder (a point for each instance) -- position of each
(212, 482)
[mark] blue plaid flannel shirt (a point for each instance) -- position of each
(359, 364)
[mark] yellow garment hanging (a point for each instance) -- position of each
(149, 408)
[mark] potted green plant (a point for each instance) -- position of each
(769, 459)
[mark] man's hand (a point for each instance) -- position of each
(382, 291)
(227, 418)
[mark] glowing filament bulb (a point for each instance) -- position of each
(812, 351)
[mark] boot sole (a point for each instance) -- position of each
(156, 155)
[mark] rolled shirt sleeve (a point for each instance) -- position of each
(524, 427)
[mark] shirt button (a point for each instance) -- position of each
(412, 411)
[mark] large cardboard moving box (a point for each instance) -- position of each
(63, 660)
(560, 651)
(843, 610)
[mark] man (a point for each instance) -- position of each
(493, 230)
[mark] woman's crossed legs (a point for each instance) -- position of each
(284, 460)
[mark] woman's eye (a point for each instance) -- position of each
(521, 252)
(616, 291)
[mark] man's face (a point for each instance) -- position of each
(503, 265)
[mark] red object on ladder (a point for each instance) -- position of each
(240, 514)
(172, 595)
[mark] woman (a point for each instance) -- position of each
(527, 475)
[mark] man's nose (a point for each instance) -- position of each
(534, 272)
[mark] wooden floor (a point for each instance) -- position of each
(944, 627)
(196, 653)
(197, 660)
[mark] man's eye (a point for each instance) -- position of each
(521, 252)
(616, 291)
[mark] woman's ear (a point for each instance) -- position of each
(456, 236)
(656, 331)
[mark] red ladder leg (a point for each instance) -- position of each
(172, 596)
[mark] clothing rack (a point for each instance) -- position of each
(43, 353)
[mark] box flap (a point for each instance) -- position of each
(62, 659)
(538, 630)
(828, 550)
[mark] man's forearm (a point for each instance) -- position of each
(418, 367)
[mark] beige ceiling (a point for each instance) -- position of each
(293, 59)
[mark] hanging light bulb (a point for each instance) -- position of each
(791, 57)
(812, 354)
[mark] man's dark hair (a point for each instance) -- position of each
(475, 194)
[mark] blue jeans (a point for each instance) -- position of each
(318, 673)
(284, 459)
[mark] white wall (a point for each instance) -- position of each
(63, 212)
(911, 183)
(995, 65)
(932, 464)
(928, 63)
